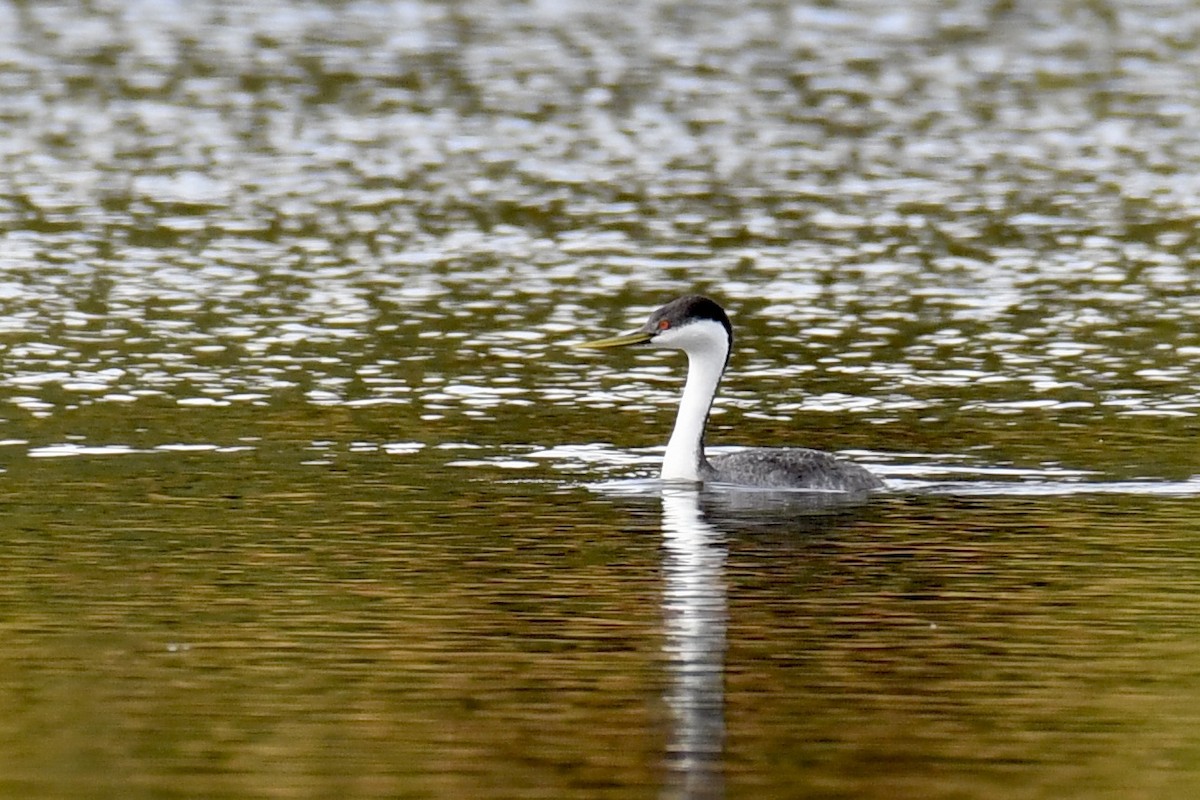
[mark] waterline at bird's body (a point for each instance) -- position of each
(700, 328)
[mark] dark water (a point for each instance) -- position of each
(303, 494)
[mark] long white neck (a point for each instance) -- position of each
(707, 349)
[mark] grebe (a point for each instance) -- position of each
(700, 327)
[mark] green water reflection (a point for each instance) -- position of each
(217, 627)
(212, 629)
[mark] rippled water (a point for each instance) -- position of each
(306, 495)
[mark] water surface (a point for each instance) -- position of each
(305, 494)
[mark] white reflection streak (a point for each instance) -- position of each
(694, 610)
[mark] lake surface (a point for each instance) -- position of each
(304, 493)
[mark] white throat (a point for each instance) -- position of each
(707, 346)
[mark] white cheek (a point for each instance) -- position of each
(697, 336)
(679, 339)
(670, 339)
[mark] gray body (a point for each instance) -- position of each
(789, 468)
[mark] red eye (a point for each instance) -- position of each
(663, 324)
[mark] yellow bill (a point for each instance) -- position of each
(633, 337)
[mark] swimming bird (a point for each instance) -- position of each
(700, 328)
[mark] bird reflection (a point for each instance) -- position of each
(695, 613)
